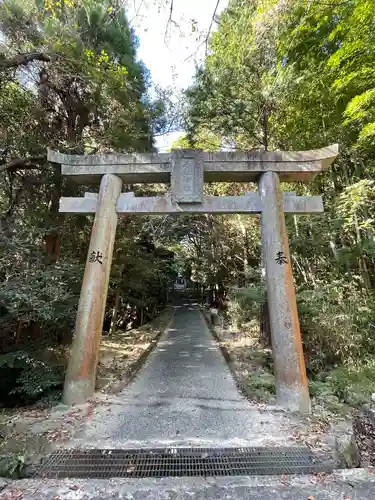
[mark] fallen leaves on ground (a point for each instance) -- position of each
(57, 435)
(11, 494)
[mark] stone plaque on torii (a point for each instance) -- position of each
(187, 170)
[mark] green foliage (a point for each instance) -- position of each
(43, 295)
(354, 384)
(243, 304)
(280, 74)
(92, 88)
(337, 324)
(204, 139)
(12, 465)
(143, 273)
(347, 385)
(18, 123)
(300, 75)
(27, 376)
(69, 80)
(262, 386)
(354, 205)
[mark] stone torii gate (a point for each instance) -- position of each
(186, 171)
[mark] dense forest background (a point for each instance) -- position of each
(286, 74)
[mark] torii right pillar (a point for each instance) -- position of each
(289, 365)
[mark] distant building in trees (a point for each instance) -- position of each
(180, 284)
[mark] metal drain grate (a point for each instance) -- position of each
(179, 462)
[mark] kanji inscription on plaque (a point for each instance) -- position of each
(187, 176)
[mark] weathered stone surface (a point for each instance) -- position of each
(187, 176)
(250, 203)
(289, 365)
(345, 451)
(61, 408)
(86, 205)
(216, 204)
(89, 169)
(186, 168)
(356, 484)
(94, 196)
(214, 316)
(303, 204)
(81, 373)
(218, 167)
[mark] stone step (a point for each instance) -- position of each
(340, 485)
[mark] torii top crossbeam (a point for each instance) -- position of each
(291, 166)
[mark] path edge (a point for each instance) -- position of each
(225, 353)
(136, 367)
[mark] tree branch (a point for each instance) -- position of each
(22, 163)
(170, 21)
(212, 22)
(23, 60)
(207, 37)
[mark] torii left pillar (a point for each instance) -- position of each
(81, 374)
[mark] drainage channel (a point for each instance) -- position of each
(180, 462)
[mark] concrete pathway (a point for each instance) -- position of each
(184, 395)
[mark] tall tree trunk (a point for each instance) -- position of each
(52, 236)
(245, 250)
(301, 270)
(265, 326)
(334, 250)
(361, 261)
(142, 309)
(295, 219)
(113, 327)
(265, 126)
